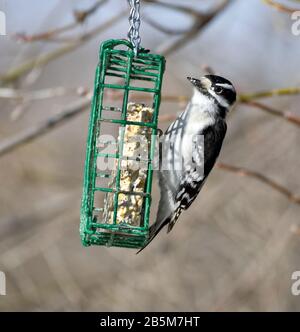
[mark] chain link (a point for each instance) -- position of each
(135, 22)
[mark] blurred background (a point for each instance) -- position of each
(237, 246)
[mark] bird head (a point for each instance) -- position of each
(217, 88)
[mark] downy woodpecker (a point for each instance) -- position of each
(185, 165)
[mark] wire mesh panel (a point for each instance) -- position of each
(117, 184)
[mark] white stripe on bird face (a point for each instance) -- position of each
(226, 86)
(222, 101)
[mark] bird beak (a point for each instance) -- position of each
(202, 84)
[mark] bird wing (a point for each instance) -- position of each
(180, 187)
(198, 168)
(170, 173)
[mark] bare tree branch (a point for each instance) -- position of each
(270, 110)
(72, 110)
(79, 15)
(262, 178)
(164, 29)
(40, 129)
(20, 95)
(44, 59)
(200, 22)
(280, 7)
(244, 98)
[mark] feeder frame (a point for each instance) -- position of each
(123, 64)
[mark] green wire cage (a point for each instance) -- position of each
(120, 75)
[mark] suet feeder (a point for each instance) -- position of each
(116, 196)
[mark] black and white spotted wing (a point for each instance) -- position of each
(172, 159)
(192, 180)
(193, 177)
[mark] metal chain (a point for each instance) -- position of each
(135, 22)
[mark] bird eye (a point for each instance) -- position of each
(218, 90)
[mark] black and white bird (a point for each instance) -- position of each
(185, 166)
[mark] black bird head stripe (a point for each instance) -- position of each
(228, 90)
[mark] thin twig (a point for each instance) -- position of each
(44, 36)
(20, 95)
(244, 98)
(44, 59)
(208, 69)
(169, 31)
(200, 22)
(270, 110)
(180, 8)
(280, 7)
(80, 17)
(35, 132)
(262, 178)
(38, 130)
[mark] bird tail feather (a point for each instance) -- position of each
(165, 214)
(173, 220)
(157, 227)
(154, 230)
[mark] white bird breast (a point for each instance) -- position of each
(201, 115)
